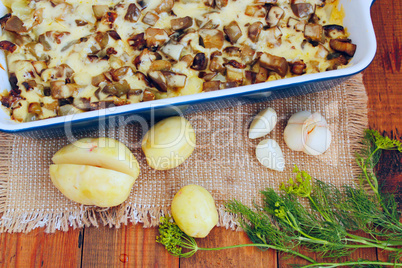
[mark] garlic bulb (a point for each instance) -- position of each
(263, 123)
(270, 155)
(308, 133)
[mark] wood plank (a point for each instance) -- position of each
(239, 257)
(39, 249)
(130, 246)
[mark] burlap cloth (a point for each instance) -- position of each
(224, 163)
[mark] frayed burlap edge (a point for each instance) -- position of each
(85, 216)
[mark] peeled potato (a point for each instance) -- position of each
(101, 152)
(90, 185)
(169, 143)
(194, 211)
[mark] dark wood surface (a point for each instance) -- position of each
(133, 246)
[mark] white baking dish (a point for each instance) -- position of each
(358, 23)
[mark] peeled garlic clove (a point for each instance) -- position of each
(270, 155)
(299, 118)
(318, 141)
(293, 136)
(263, 123)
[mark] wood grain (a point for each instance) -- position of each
(103, 247)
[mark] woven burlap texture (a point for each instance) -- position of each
(224, 163)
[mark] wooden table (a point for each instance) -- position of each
(135, 246)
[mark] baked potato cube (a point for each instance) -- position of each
(133, 13)
(173, 50)
(118, 74)
(256, 11)
(298, 67)
(159, 80)
(175, 80)
(322, 52)
(221, 3)
(262, 75)
(155, 37)
(61, 90)
(211, 86)
(150, 18)
(234, 75)
(265, 1)
(275, 14)
(160, 65)
(274, 63)
(148, 95)
(165, 6)
(273, 36)
(302, 10)
(254, 31)
(233, 31)
(212, 38)
(39, 66)
(314, 32)
(188, 59)
(181, 23)
(100, 10)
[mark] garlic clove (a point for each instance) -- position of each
(318, 141)
(263, 123)
(299, 118)
(293, 136)
(270, 155)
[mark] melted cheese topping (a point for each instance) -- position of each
(64, 33)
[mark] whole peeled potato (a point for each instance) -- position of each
(90, 185)
(194, 211)
(169, 143)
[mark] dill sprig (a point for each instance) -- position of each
(283, 223)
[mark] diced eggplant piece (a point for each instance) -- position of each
(233, 31)
(148, 95)
(175, 80)
(143, 3)
(274, 36)
(61, 72)
(113, 34)
(4, 19)
(188, 59)
(256, 11)
(235, 64)
(137, 42)
(298, 67)
(216, 64)
(274, 15)
(133, 13)
(334, 31)
(14, 24)
(81, 103)
(111, 51)
(181, 23)
(200, 62)
(274, 63)
(314, 18)
(118, 74)
(81, 23)
(39, 66)
(160, 65)
(210, 25)
(34, 108)
(234, 75)
(336, 59)
(221, 3)
(100, 10)
(29, 85)
(173, 50)
(212, 38)
(211, 86)
(61, 90)
(207, 76)
(322, 52)
(254, 31)
(248, 54)
(250, 78)
(314, 32)
(232, 51)
(262, 75)
(302, 10)
(150, 18)
(209, 3)
(146, 56)
(159, 80)
(155, 37)
(102, 39)
(8, 46)
(96, 80)
(165, 6)
(292, 22)
(343, 45)
(299, 27)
